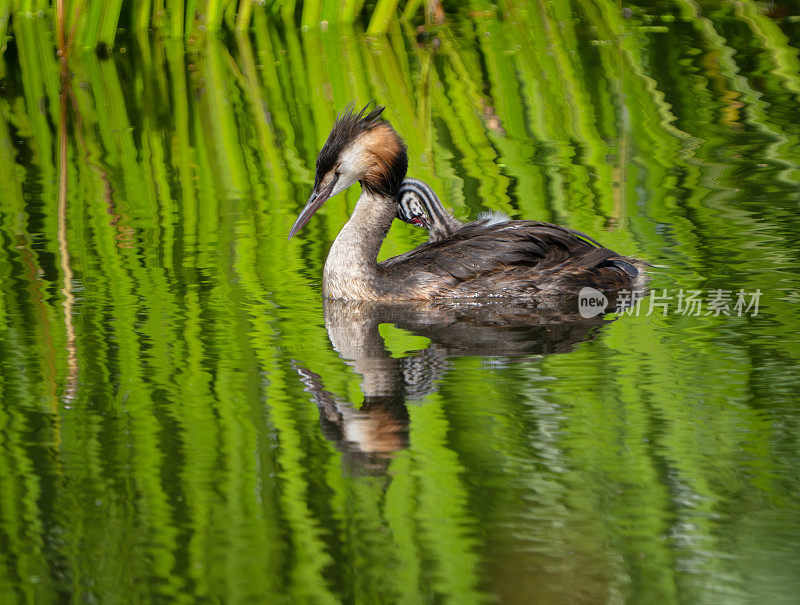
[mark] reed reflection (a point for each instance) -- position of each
(370, 432)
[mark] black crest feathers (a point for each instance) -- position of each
(348, 127)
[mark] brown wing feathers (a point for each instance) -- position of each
(495, 258)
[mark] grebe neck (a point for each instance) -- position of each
(351, 270)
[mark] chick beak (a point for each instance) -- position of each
(314, 202)
(420, 220)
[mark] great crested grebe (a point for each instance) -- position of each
(509, 259)
(418, 205)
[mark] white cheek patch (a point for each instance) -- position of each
(345, 180)
(352, 167)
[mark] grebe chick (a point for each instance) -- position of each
(511, 259)
(418, 205)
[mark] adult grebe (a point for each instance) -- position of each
(511, 259)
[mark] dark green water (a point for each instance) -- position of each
(181, 419)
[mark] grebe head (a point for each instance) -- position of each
(410, 210)
(362, 147)
(419, 205)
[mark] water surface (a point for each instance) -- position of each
(182, 417)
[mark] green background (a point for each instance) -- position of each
(157, 441)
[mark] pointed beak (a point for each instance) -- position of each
(314, 202)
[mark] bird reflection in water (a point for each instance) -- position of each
(370, 434)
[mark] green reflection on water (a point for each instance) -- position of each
(183, 420)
